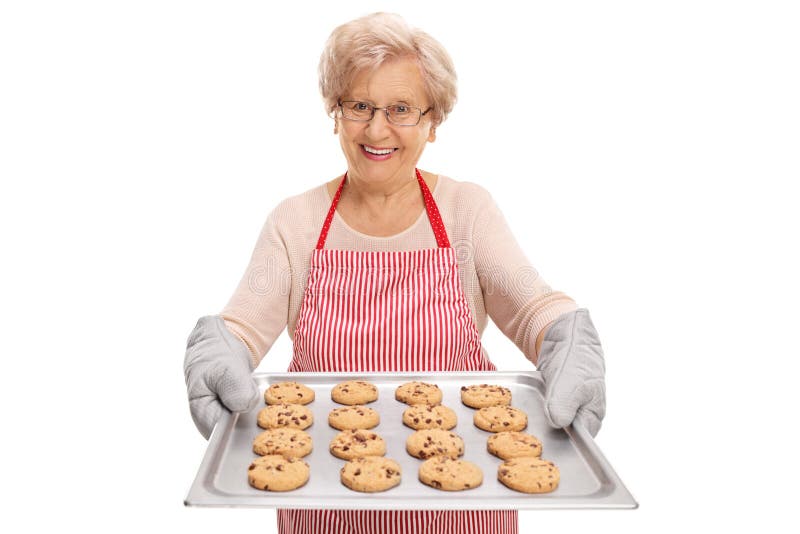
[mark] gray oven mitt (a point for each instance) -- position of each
(218, 371)
(571, 362)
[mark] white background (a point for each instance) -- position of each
(644, 153)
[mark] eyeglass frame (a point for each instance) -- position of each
(385, 111)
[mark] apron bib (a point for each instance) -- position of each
(388, 311)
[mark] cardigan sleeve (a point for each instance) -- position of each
(516, 297)
(258, 310)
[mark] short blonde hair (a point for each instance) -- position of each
(370, 41)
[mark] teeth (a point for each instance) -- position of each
(378, 152)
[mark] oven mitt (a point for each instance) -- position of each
(571, 363)
(218, 371)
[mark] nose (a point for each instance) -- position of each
(378, 127)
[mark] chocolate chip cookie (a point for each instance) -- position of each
(500, 419)
(285, 415)
(484, 395)
(418, 393)
(277, 473)
(529, 475)
(450, 474)
(354, 392)
(356, 443)
(370, 474)
(422, 416)
(288, 393)
(434, 442)
(508, 445)
(289, 442)
(353, 417)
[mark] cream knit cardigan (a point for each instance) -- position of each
(497, 279)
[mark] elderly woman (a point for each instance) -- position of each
(362, 271)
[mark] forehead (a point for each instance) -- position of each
(396, 80)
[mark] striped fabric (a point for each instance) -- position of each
(391, 522)
(388, 311)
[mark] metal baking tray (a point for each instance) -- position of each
(587, 479)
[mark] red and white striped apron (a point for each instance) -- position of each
(388, 311)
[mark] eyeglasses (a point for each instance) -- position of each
(397, 114)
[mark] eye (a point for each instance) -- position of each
(401, 108)
(361, 106)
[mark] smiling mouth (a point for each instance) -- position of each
(378, 151)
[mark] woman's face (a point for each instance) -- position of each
(394, 82)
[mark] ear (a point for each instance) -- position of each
(432, 135)
(335, 126)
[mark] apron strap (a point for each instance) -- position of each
(434, 216)
(323, 235)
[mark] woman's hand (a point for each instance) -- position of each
(218, 373)
(571, 362)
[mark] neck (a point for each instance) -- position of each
(380, 194)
